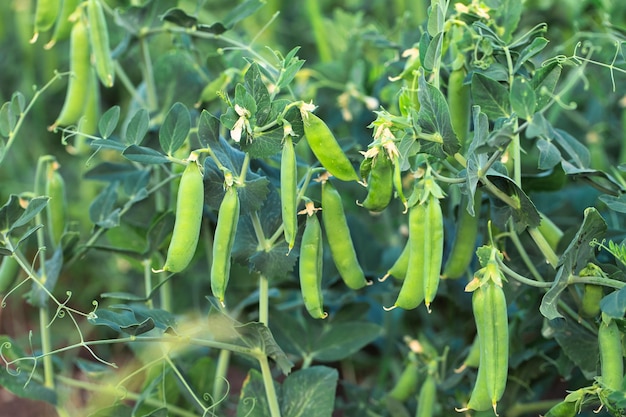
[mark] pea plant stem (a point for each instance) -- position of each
(148, 74)
(268, 382)
(263, 300)
(147, 280)
(544, 246)
(319, 32)
(221, 371)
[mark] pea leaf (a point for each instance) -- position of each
(508, 15)
(257, 89)
(252, 399)
(597, 179)
(243, 10)
(37, 296)
(578, 344)
(340, 340)
(108, 122)
(8, 119)
(175, 128)
(35, 206)
(434, 119)
(137, 127)
(21, 385)
(102, 210)
(537, 45)
(309, 392)
(522, 98)
(549, 155)
(491, 96)
(576, 256)
(178, 78)
(614, 304)
(545, 78)
(524, 215)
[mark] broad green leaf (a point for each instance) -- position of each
(537, 45)
(434, 120)
(20, 385)
(291, 64)
(159, 230)
(309, 392)
(539, 126)
(257, 89)
(37, 296)
(597, 179)
(102, 210)
(578, 344)
(576, 256)
(614, 304)
(208, 129)
(175, 128)
(202, 374)
(617, 204)
(137, 127)
(162, 319)
(436, 17)
(178, 78)
(241, 11)
(111, 171)
(533, 33)
(253, 398)
(545, 78)
(93, 369)
(433, 53)
(524, 215)
(507, 16)
(579, 154)
(108, 122)
(522, 98)
(268, 143)
(549, 155)
(34, 207)
(491, 96)
(144, 155)
(18, 101)
(10, 212)
(340, 340)
(258, 336)
(107, 144)
(123, 321)
(8, 119)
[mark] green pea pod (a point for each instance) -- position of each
(289, 191)
(339, 239)
(99, 35)
(411, 293)
(311, 257)
(397, 184)
(189, 205)
(88, 123)
(427, 397)
(379, 184)
(63, 26)
(490, 314)
(9, 268)
(563, 409)
(46, 14)
(432, 245)
(400, 266)
(326, 149)
(611, 355)
(464, 245)
(225, 231)
(479, 399)
(459, 104)
(472, 360)
(592, 294)
(550, 231)
(57, 205)
(76, 95)
(406, 385)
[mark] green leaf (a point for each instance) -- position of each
(108, 122)
(268, 143)
(525, 215)
(179, 17)
(309, 392)
(576, 256)
(549, 155)
(508, 15)
(433, 53)
(101, 209)
(290, 67)
(34, 207)
(107, 144)
(258, 336)
(257, 89)
(341, 340)
(597, 179)
(545, 78)
(10, 212)
(617, 204)
(578, 344)
(8, 119)
(614, 304)
(175, 128)
(137, 127)
(243, 10)
(21, 385)
(579, 154)
(491, 96)
(178, 78)
(253, 399)
(434, 119)
(144, 155)
(537, 45)
(124, 321)
(436, 17)
(111, 171)
(522, 98)
(37, 296)
(208, 129)
(159, 230)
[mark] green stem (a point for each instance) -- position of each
(268, 382)
(499, 193)
(148, 74)
(263, 300)
(523, 254)
(147, 281)
(127, 83)
(544, 246)
(219, 381)
(316, 19)
(512, 274)
(184, 383)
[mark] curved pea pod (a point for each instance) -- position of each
(88, 123)
(490, 314)
(472, 360)
(310, 268)
(225, 231)
(563, 409)
(99, 35)
(464, 245)
(550, 231)
(379, 184)
(459, 104)
(400, 266)
(46, 14)
(63, 26)
(326, 148)
(432, 245)
(611, 355)
(56, 209)
(9, 269)
(406, 385)
(339, 239)
(76, 95)
(189, 205)
(427, 397)
(397, 184)
(289, 191)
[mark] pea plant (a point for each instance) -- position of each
(276, 208)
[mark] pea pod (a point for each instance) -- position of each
(76, 95)
(46, 14)
(459, 104)
(326, 149)
(339, 239)
(432, 245)
(427, 397)
(611, 355)
(99, 35)
(311, 257)
(189, 205)
(63, 26)
(592, 294)
(9, 268)
(57, 205)
(490, 314)
(400, 266)
(88, 123)
(289, 191)
(397, 184)
(406, 385)
(464, 245)
(379, 184)
(472, 359)
(225, 231)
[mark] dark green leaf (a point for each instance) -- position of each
(434, 119)
(10, 212)
(243, 10)
(107, 144)
(507, 16)
(208, 129)
(576, 256)
(309, 392)
(137, 127)
(257, 89)
(27, 234)
(491, 96)
(178, 78)
(179, 17)
(161, 318)
(8, 120)
(108, 122)
(532, 33)
(268, 143)
(522, 98)
(545, 78)
(578, 152)
(38, 297)
(436, 17)
(597, 179)
(253, 399)
(175, 128)
(524, 215)
(614, 304)
(539, 126)
(549, 155)
(579, 344)
(102, 211)
(34, 207)
(124, 321)
(216, 28)
(433, 53)
(617, 204)
(340, 340)
(159, 230)
(144, 155)
(20, 385)
(111, 171)
(537, 45)
(258, 336)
